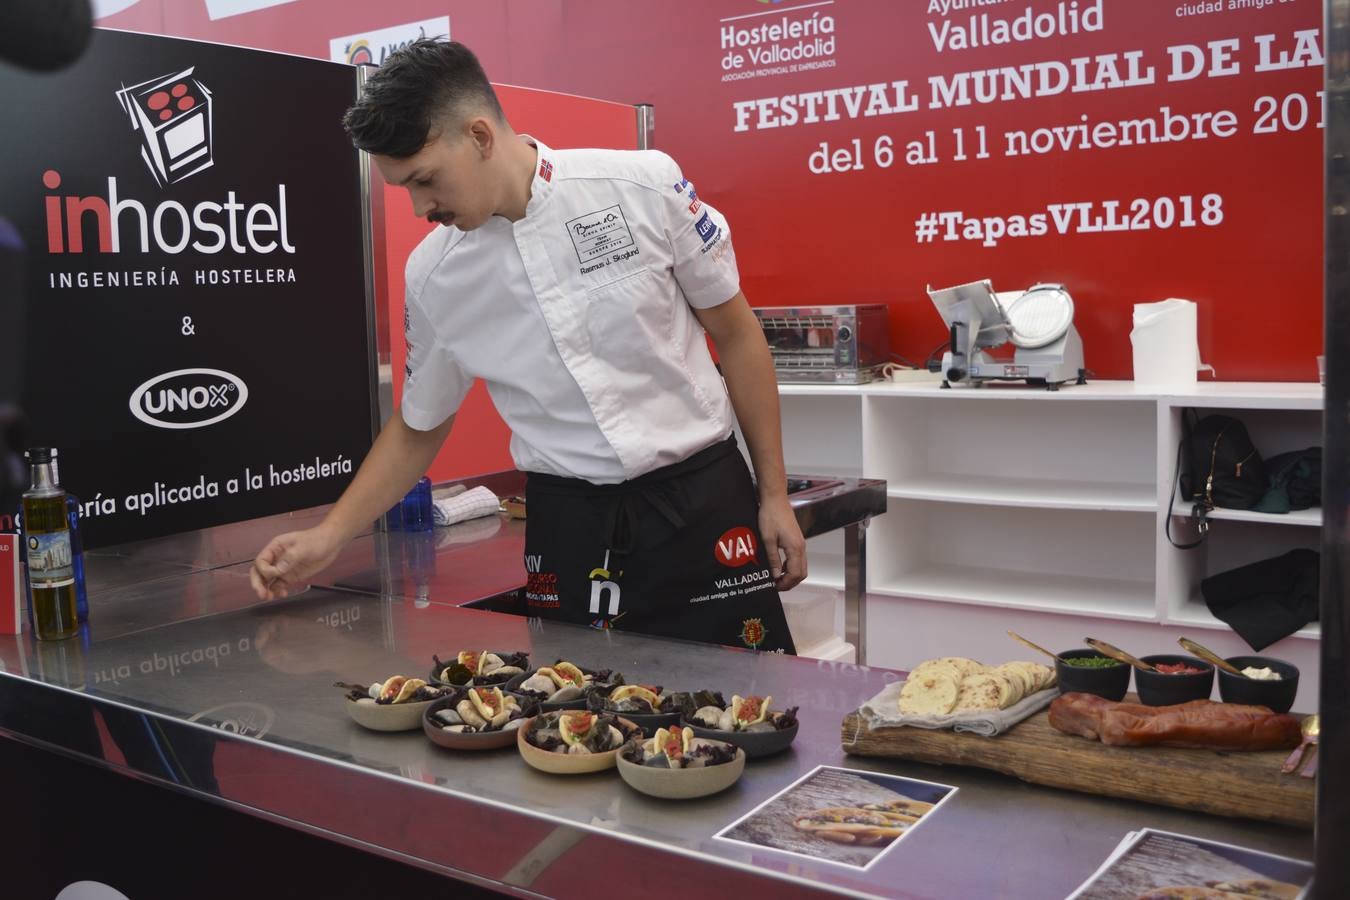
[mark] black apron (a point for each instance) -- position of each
(676, 553)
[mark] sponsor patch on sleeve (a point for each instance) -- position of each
(707, 229)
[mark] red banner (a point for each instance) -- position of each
(1133, 150)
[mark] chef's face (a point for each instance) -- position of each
(452, 179)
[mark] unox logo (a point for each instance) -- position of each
(189, 398)
(173, 115)
(736, 548)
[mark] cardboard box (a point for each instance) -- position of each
(13, 603)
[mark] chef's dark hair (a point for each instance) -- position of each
(417, 91)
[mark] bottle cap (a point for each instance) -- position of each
(39, 455)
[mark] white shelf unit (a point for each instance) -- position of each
(1002, 499)
(1014, 507)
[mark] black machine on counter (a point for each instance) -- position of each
(1037, 321)
(826, 344)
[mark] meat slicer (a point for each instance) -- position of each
(1038, 322)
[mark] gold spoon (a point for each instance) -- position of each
(1119, 655)
(1017, 637)
(1311, 728)
(1210, 656)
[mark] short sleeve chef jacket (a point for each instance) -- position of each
(579, 317)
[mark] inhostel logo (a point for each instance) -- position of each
(173, 115)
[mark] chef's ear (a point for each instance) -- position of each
(483, 135)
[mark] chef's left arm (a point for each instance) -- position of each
(747, 368)
(704, 264)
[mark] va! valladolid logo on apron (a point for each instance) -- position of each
(736, 548)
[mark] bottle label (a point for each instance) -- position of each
(49, 559)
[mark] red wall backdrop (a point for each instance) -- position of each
(1249, 252)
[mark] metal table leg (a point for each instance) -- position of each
(855, 587)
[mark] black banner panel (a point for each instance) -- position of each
(197, 320)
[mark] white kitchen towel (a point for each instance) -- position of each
(883, 711)
(471, 504)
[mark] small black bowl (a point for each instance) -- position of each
(576, 703)
(756, 744)
(649, 722)
(1110, 682)
(481, 681)
(1159, 689)
(1278, 695)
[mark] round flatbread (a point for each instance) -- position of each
(928, 695)
(985, 691)
(965, 666)
(1018, 680)
(1039, 676)
(1023, 680)
(937, 667)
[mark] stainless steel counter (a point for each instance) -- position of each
(186, 680)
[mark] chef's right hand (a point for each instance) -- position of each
(290, 560)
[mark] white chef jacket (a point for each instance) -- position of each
(579, 317)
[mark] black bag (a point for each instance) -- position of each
(1222, 466)
(1217, 465)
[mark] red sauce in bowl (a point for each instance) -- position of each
(1178, 669)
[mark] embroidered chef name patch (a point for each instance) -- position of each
(600, 233)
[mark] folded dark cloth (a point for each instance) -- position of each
(1267, 600)
(1295, 481)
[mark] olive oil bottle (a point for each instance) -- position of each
(51, 565)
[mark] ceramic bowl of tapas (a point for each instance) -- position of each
(646, 706)
(676, 764)
(478, 668)
(562, 685)
(573, 742)
(477, 719)
(745, 722)
(396, 704)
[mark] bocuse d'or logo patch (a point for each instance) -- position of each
(173, 115)
(736, 548)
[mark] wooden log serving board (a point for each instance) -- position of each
(1246, 785)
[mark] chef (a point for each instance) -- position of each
(579, 285)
